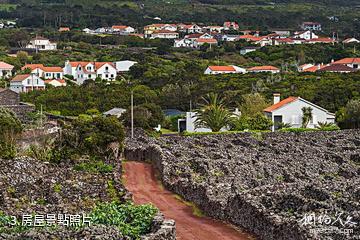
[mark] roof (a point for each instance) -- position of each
(97, 64)
(20, 77)
(281, 104)
(42, 67)
(6, 66)
(120, 27)
(350, 40)
(264, 68)
(337, 68)
(52, 69)
(314, 68)
(64, 29)
(326, 40)
(222, 68)
(165, 32)
(348, 61)
(206, 40)
(194, 35)
(115, 111)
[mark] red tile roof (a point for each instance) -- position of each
(264, 68)
(206, 40)
(52, 69)
(6, 66)
(337, 68)
(42, 67)
(314, 68)
(20, 77)
(222, 68)
(281, 104)
(348, 61)
(119, 27)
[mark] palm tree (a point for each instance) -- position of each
(307, 116)
(213, 113)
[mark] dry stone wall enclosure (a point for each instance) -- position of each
(265, 183)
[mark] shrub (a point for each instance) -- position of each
(132, 220)
(10, 127)
(258, 122)
(146, 116)
(96, 166)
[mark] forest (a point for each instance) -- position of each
(260, 15)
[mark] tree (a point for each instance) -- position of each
(252, 104)
(146, 116)
(350, 115)
(213, 113)
(307, 116)
(22, 56)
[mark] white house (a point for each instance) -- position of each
(124, 66)
(247, 50)
(313, 26)
(214, 70)
(192, 28)
(26, 83)
(185, 42)
(41, 44)
(230, 38)
(201, 41)
(5, 70)
(350, 62)
(307, 35)
(260, 69)
(213, 28)
(122, 29)
(82, 71)
(351, 40)
(45, 72)
(231, 26)
(289, 111)
(164, 34)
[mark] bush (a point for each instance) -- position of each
(258, 122)
(132, 220)
(146, 116)
(10, 127)
(96, 166)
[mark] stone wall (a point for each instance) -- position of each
(8, 97)
(21, 111)
(262, 183)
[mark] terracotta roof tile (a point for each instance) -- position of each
(6, 66)
(264, 68)
(20, 77)
(222, 68)
(281, 104)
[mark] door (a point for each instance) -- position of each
(277, 121)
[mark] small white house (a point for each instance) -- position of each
(41, 44)
(45, 72)
(247, 50)
(351, 40)
(124, 66)
(122, 29)
(289, 111)
(264, 69)
(307, 35)
(26, 83)
(214, 70)
(5, 70)
(350, 62)
(313, 26)
(165, 34)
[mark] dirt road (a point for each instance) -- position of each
(141, 181)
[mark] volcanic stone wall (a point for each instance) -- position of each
(264, 183)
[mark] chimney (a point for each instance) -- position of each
(276, 98)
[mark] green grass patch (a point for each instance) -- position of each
(94, 167)
(195, 209)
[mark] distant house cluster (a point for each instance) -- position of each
(37, 76)
(116, 29)
(346, 65)
(215, 70)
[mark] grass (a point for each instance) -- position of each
(195, 209)
(7, 6)
(167, 131)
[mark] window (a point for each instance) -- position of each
(89, 76)
(28, 81)
(112, 75)
(106, 75)
(107, 68)
(37, 81)
(356, 66)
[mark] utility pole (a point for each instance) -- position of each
(132, 114)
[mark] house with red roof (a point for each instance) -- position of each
(201, 41)
(231, 26)
(82, 71)
(122, 29)
(289, 111)
(164, 34)
(337, 68)
(56, 82)
(261, 69)
(214, 70)
(350, 62)
(26, 83)
(190, 28)
(5, 70)
(45, 72)
(41, 44)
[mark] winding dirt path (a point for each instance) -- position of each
(141, 181)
